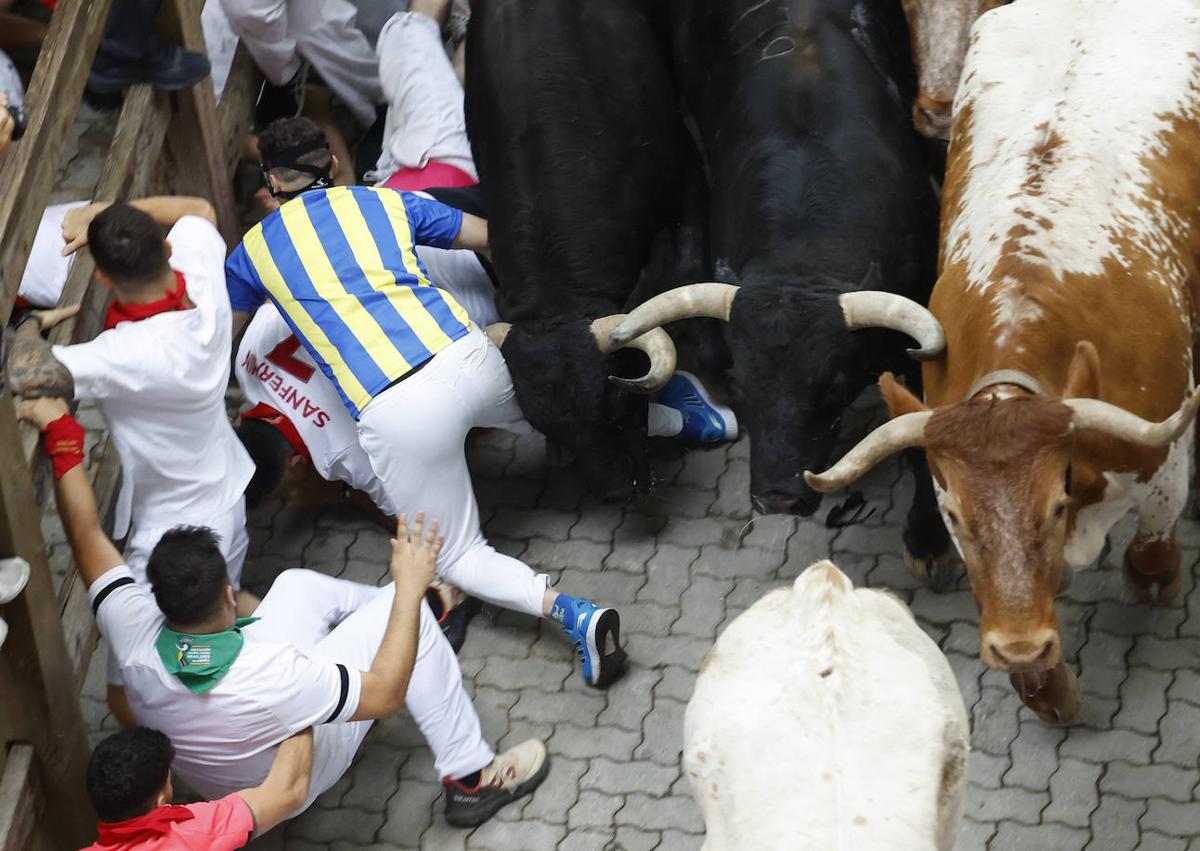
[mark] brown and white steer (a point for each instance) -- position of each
(825, 719)
(1067, 293)
(940, 31)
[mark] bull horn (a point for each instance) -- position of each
(497, 332)
(656, 343)
(875, 309)
(1094, 415)
(903, 432)
(712, 299)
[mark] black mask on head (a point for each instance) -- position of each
(288, 158)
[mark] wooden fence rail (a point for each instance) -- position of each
(44, 661)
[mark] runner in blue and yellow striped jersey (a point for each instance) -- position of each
(409, 365)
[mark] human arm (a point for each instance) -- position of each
(32, 368)
(166, 210)
(413, 559)
(473, 235)
(94, 553)
(286, 786)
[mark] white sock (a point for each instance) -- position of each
(663, 421)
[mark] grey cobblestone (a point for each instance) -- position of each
(1122, 779)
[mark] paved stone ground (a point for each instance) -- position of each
(1124, 778)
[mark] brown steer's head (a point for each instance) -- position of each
(940, 33)
(1002, 462)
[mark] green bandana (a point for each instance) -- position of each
(199, 661)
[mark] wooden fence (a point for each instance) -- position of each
(182, 143)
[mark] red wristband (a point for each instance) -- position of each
(63, 442)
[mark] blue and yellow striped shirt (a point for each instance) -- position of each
(340, 266)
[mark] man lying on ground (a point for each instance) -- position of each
(129, 784)
(322, 652)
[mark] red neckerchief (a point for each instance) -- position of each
(121, 312)
(145, 828)
(272, 417)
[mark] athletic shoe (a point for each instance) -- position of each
(704, 421)
(511, 775)
(453, 610)
(165, 66)
(284, 101)
(596, 634)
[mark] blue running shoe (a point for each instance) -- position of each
(596, 634)
(704, 421)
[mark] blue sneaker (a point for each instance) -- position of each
(704, 421)
(596, 634)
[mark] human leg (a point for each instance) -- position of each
(425, 120)
(326, 35)
(303, 606)
(423, 467)
(262, 25)
(129, 53)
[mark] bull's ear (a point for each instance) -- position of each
(899, 399)
(1083, 378)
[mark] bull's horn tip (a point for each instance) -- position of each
(812, 479)
(925, 354)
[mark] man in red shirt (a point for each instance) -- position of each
(129, 783)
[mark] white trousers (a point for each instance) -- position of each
(344, 621)
(425, 119)
(414, 433)
(279, 32)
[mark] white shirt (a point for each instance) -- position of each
(225, 737)
(47, 269)
(274, 369)
(161, 386)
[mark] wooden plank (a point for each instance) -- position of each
(79, 627)
(195, 143)
(237, 102)
(27, 171)
(21, 800)
(38, 700)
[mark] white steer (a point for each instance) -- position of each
(824, 719)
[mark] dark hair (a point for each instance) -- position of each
(269, 450)
(127, 771)
(287, 133)
(127, 246)
(187, 574)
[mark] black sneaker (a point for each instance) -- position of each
(454, 624)
(285, 101)
(511, 775)
(165, 66)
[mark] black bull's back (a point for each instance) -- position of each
(578, 138)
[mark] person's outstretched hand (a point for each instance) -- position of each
(414, 556)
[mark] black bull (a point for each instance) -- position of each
(820, 189)
(578, 137)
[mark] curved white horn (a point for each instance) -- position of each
(876, 309)
(656, 343)
(497, 332)
(711, 299)
(903, 432)
(1112, 420)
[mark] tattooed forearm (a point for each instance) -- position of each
(32, 368)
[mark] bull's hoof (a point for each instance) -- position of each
(1053, 695)
(939, 572)
(1152, 589)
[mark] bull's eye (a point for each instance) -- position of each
(1060, 510)
(952, 517)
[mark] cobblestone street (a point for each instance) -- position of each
(1123, 778)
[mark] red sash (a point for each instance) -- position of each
(121, 312)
